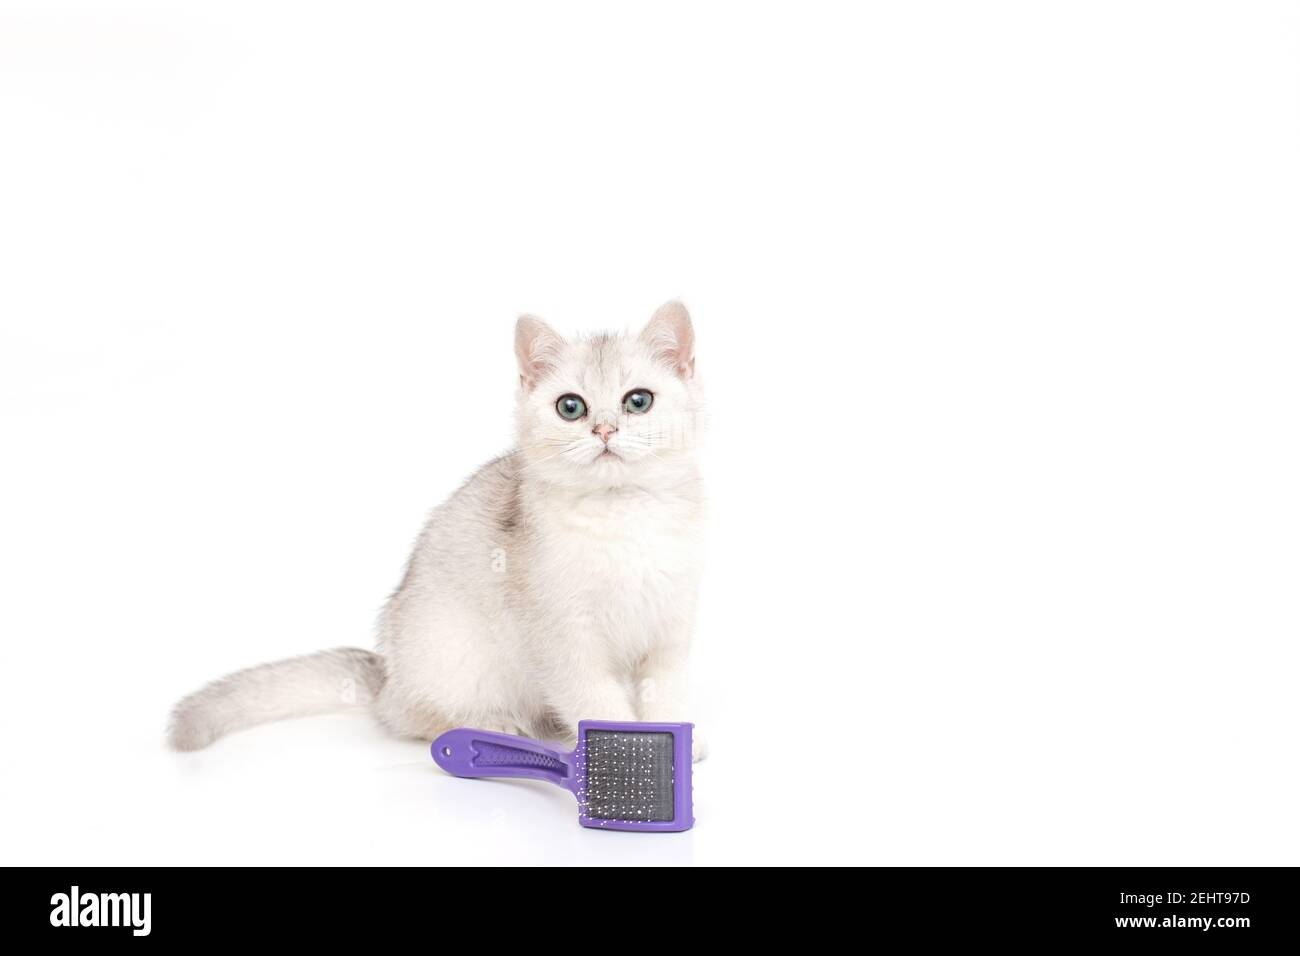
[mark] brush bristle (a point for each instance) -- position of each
(629, 775)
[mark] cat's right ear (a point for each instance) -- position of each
(537, 348)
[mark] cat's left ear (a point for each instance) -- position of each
(672, 337)
(537, 346)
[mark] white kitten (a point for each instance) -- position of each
(558, 584)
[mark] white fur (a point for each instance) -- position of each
(557, 584)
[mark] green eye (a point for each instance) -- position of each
(571, 407)
(638, 401)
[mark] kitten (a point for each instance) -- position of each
(557, 584)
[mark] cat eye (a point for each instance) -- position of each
(638, 401)
(571, 407)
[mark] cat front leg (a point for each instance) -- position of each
(585, 691)
(663, 692)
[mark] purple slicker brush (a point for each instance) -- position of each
(626, 776)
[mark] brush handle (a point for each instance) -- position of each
(466, 752)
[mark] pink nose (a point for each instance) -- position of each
(604, 431)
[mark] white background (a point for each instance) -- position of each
(997, 308)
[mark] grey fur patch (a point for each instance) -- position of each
(511, 513)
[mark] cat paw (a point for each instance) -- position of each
(699, 747)
(501, 727)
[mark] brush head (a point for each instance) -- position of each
(633, 776)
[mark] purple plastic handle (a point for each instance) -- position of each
(484, 753)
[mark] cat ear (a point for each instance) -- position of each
(672, 337)
(537, 346)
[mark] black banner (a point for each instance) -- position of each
(1226, 907)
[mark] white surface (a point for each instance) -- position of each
(998, 310)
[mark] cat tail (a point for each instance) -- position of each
(345, 678)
